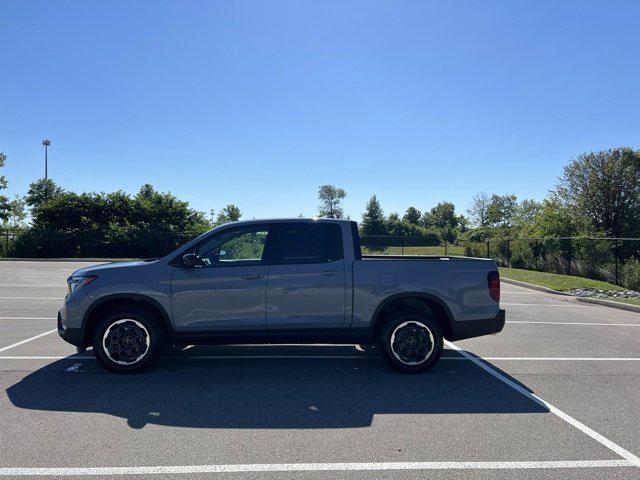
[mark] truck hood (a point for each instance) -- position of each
(95, 269)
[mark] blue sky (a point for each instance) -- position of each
(259, 103)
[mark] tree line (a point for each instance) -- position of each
(598, 195)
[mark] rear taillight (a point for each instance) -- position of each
(493, 280)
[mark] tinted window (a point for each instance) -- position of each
(237, 246)
(308, 243)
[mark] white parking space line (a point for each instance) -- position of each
(339, 357)
(513, 292)
(564, 359)
(614, 447)
(41, 275)
(17, 344)
(46, 358)
(311, 467)
(578, 323)
(545, 305)
(27, 318)
(61, 285)
(32, 298)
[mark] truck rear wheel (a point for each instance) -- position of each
(127, 340)
(411, 342)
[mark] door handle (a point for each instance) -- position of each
(330, 272)
(252, 276)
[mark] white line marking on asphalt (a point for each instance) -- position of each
(310, 467)
(41, 275)
(580, 323)
(544, 305)
(31, 298)
(509, 292)
(61, 285)
(58, 357)
(563, 359)
(556, 411)
(4, 349)
(342, 357)
(27, 318)
(300, 357)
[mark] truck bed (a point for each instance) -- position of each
(422, 257)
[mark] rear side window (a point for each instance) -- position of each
(307, 243)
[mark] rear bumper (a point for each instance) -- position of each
(477, 328)
(68, 334)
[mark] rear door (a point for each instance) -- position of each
(306, 285)
(225, 292)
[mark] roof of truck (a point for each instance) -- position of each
(294, 219)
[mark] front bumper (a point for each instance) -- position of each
(477, 328)
(68, 334)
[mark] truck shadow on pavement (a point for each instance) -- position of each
(266, 393)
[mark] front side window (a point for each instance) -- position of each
(242, 246)
(308, 243)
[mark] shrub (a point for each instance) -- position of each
(631, 274)
(521, 254)
(475, 250)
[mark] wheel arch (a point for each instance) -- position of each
(420, 300)
(119, 300)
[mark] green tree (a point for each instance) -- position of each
(42, 191)
(443, 215)
(526, 212)
(373, 220)
(148, 224)
(17, 211)
(604, 187)
(501, 210)
(463, 223)
(330, 199)
(479, 210)
(413, 216)
(230, 213)
(556, 219)
(394, 217)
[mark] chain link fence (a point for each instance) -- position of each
(609, 259)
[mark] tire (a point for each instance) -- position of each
(127, 340)
(411, 342)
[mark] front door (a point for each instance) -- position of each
(306, 289)
(226, 289)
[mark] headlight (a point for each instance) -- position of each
(76, 282)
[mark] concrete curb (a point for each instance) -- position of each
(11, 259)
(609, 303)
(533, 287)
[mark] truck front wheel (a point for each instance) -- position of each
(411, 342)
(127, 340)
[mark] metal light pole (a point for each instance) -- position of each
(46, 144)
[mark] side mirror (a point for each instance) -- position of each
(190, 259)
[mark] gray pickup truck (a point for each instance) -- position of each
(281, 281)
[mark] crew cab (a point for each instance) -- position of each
(281, 281)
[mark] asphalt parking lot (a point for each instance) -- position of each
(555, 395)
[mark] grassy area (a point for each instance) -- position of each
(435, 250)
(555, 280)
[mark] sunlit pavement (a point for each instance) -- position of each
(318, 411)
